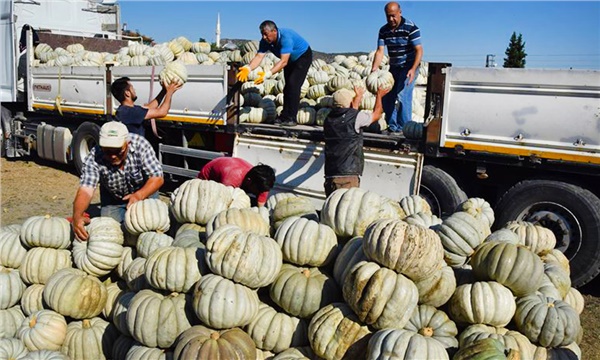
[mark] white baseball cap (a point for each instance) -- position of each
(343, 98)
(113, 134)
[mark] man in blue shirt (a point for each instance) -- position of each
(403, 40)
(132, 115)
(295, 58)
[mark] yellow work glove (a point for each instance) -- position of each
(262, 75)
(243, 73)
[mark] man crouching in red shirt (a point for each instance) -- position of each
(254, 180)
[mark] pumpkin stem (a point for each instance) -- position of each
(426, 331)
(47, 216)
(215, 336)
(174, 294)
(32, 322)
(513, 355)
(306, 272)
(86, 324)
(551, 305)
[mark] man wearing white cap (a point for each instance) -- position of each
(127, 169)
(343, 132)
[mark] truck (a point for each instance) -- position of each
(525, 140)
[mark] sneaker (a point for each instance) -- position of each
(289, 123)
(277, 121)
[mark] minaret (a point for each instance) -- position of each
(218, 32)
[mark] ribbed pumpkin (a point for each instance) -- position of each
(188, 58)
(303, 291)
(306, 242)
(322, 114)
(89, 339)
(200, 47)
(558, 277)
(411, 250)
(423, 219)
(141, 352)
(349, 211)
(575, 299)
(156, 320)
(484, 349)
(557, 256)
(479, 208)
(461, 233)
(174, 268)
(33, 299)
(507, 263)
(196, 200)
(413, 204)
(536, 237)
(189, 237)
(306, 116)
(509, 338)
(102, 251)
(221, 304)
(43, 330)
(335, 332)
(244, 257)
(149, 241)
(40, 263)
(431, 322)
(12, 251)
(12, 349)
(122, 345)
(138, 60)
(11, 287)
(135, 275)
(72, 292)
(10, 321)
(295, 353)
(352, 253)
(46, 231)
(147, 215)
(503, 235)
(174, 72)
(380, 297)
(338, 82)
(404, 344)
(200, 342)
(126, 259)
(379, 79)
(45, 355)
(546, 321)
(437, 289)
(569, 352)
(75, 48)
(113, 291)
(292, 206)
(276, 331)
(247, 219)
(482, 303)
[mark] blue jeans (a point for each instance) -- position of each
(402, 91)
(116, 211)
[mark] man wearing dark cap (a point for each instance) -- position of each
(125, 166)
(343, 131)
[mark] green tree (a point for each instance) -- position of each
(515, 52)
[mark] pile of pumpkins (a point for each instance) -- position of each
(261, 103)
(207, 276)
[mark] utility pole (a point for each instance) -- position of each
(218, 31)
(490, 60)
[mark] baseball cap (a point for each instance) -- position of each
(113, 134)
(343, 98)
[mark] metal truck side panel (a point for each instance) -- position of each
(548, 113)
(299, 165)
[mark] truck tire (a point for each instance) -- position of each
(85, 138)
(441, 191)
(571, 212)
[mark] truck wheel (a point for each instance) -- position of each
(571, 212)
(85, 138)
(441, 191)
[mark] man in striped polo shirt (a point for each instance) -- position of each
(403, 40)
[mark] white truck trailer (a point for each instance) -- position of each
(526, 140)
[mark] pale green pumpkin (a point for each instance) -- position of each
(72, 292)
(89, 339)
(200, 342)
(43, 330)
(433, 323)
(404, 344)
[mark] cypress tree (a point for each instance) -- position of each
(515, 52)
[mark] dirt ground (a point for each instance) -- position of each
(29, 188)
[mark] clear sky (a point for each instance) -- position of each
(557, 34)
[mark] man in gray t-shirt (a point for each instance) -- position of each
(343, 132)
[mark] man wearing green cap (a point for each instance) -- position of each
(343, 131)
(127, 170)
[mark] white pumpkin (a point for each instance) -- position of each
(43, 330)
(174, 72)
(147, 215)
(379, 79)
(101, 253)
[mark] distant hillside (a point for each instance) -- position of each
(327, 57)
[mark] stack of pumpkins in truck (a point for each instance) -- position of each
(261, 103)
(207, 276)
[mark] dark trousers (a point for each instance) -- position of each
(340, 182)
(294, 74)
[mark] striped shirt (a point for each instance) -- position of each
(400, 42)
(141, 163)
